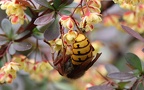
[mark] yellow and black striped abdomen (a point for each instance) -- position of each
(82, 50)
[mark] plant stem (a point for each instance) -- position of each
(29, 27)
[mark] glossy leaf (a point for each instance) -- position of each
(57, 3)
(6, 26)
(38, 34)
(52, 31)
(45, 19)
(111, 68)
(121, 85)
(28, 12)
(133, 33)
(22, 46)
(3, 40)
(44, 3)
(22, 35)
(102, 87)
(65, 12)
(134, 61)
(65, 3)
(121, 76)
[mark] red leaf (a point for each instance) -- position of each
(45, 19)
(133, 33)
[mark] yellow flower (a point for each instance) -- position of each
(67, 22)
(8, 72)
(118, 1)
(2, 76)
(11, 67)
(140, 9)
(70, 36)
(128, 6)
(140, 27)
(95, 3)
(15, 10)
(40, 70)
(9, 78)
(4, 5)
(88, 20)
(43, 66)
(30, 66)
(111, 20)
(130, 17)
(56, 44)
(92, 6)
(21, 60)
(89, 27)
(92, 18)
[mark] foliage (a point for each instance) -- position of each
(52, 42)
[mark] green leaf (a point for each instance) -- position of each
(122, 84)
(28, 12)
(6, 26)
(134, 61)
(57, 3)
(65, 3)
(65, 12)
(44, 3)
(37, 34)
(52, 31)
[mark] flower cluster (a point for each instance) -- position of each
(89, 13)
(37, 70)
(68, 40)
(130, 2)
(67, 22)
(133, 18)
(8, 72)
(112, 20)
(15, 10)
